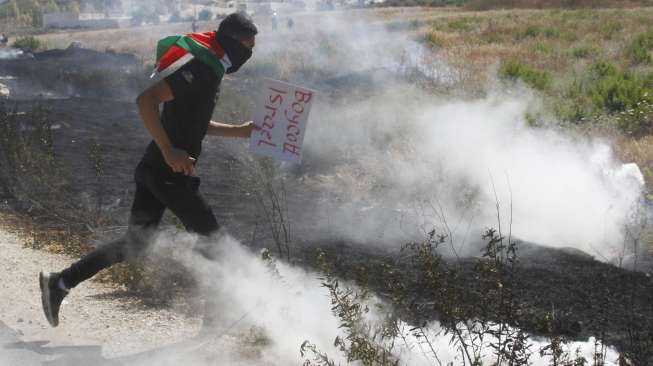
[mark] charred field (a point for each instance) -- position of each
(339, 211)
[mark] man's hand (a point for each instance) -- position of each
(229, 130)
(179, 161)
(248, 127)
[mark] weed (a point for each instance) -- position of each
(610, 28)
(515, 70)
(639, 50)
(461, 25)
(28, 43)
(31, 169)
(269, 187)
(606, 89)
(531, 31)
(543, 48)
(434, 40)
(583, 52)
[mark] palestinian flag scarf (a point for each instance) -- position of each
(202, 46)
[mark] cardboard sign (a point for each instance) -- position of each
(281, 115)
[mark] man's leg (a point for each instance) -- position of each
(145, 216)
(181, 195)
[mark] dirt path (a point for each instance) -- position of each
(111, 325)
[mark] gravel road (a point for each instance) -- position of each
(90, 321)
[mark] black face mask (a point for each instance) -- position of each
(237, 52)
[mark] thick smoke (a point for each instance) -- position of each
(393, 152)
(9, 53)
(266, 312)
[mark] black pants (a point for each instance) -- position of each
(155, 191)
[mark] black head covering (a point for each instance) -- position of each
(238, 53)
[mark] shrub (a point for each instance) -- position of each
(614, 90)
(28, 43)
(460, 25)
(434, 40)
(514, 70)
(638, 120)
(610, 28)
(551, 32)
(605, 88)
(30, 170)
(542, 48)
(530, 31)
(582, 52)
(639, 51)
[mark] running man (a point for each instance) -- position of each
(164, 177)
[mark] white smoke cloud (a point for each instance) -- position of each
(9, 53)
(565, 191)
(393, 162)
(289, 308)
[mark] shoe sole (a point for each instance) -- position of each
(44, 280)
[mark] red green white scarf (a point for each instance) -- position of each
(202, 46)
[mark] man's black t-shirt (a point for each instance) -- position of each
(195, 88)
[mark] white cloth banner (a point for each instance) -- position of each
(281, 115)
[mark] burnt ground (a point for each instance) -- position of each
(586, 296)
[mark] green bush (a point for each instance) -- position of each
(610, 28)
(583, 51)
(28, 43)
(433, 40)
(606, 89)
(639, 51)
(638, 120)
(616, 91)
(542, 47)
(530, 31)
(460, 25)
(514, 70)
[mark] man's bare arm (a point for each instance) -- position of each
(148, 108)
(226, 130)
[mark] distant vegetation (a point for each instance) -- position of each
(592, 67)
(28, 43)
(525, 4)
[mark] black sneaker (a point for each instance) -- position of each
(51, 296)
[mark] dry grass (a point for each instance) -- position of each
(542, 38)
(140, 41)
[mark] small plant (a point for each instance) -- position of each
(97, 161)
(530, 31)
(610, 28)
(461, 25)
(362, 342)
(582, 52)
(28, 43)
(434, 40)
(268, 185)
(639, 51)
(515, 70)
(606, 89)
